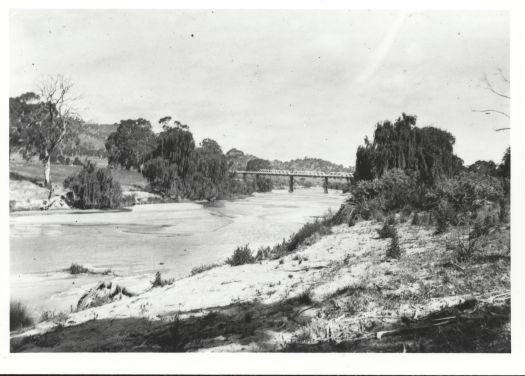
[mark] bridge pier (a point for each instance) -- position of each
(325, 184)
(244, 177)
(348, 184)
(291, 184)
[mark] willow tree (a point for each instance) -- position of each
(427, 151)
(39, 122)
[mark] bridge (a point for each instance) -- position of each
(303, 174)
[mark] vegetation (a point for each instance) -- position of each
(320, 227)
(394, 250)
(94, 188)
(39, 123)
(387, 231)
(242, 255)
(131, 144)
(161, 282)
(201, 269)
(427, 151)
(19, 316)
(77, 269)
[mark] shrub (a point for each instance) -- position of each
(309, 229)
(77, 162)
(304, 298)
(444, 215)
(77, 269)
(19, 316)
(242, 255)
(263, 253)
(394, 250)
(161, 282)
(469, 191)
(94, 188)
(387, 231)
(202, 268)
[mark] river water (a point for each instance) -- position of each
(136, 243)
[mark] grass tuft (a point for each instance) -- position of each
(201, 269)
(19, 316)
(161, 282)
(241, 256)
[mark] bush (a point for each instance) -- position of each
(387, 231)
(263, 253)
(94, 188)
(394, 250)
(77, 162)
(242, 255)
(304, 298)
(19, 316)
(202, 268)
(309, 229)
(77, 269)
(445, 215)
(161, 282)
(468, 192)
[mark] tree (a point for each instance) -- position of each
(258, 164)
(484, 168)
(39, 122)
(427, 151)
(262, 184)
(175, 143)
(131, 144)
(504, 167)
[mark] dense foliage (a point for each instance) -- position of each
(263, 184)
(428, 151)
(94, 188)
(131, 144)
(177, 168)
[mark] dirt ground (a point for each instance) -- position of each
(337, 293)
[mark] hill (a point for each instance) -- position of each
(238, 160)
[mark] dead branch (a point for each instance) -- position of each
(488, 111)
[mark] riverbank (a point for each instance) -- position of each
(335, 293)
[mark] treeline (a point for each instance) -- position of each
(173, 164)
(414, 171)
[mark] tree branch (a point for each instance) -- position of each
(499, 112)
(491, 88)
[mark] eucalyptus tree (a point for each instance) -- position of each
(39, 122)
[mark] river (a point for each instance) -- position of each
(136, 243)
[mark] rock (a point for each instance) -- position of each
(102, 293)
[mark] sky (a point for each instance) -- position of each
(279, 84)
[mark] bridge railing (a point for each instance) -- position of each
(299, 173)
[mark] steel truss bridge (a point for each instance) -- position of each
(302, 174)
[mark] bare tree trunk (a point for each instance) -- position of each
(47, 171)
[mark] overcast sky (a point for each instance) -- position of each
(277, 84)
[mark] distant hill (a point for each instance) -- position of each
(92, 139)
(237, 160)
(310, 164)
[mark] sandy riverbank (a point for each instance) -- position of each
(334, 294)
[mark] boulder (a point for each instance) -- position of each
(104, 292)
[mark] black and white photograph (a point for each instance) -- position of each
(242, 180)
